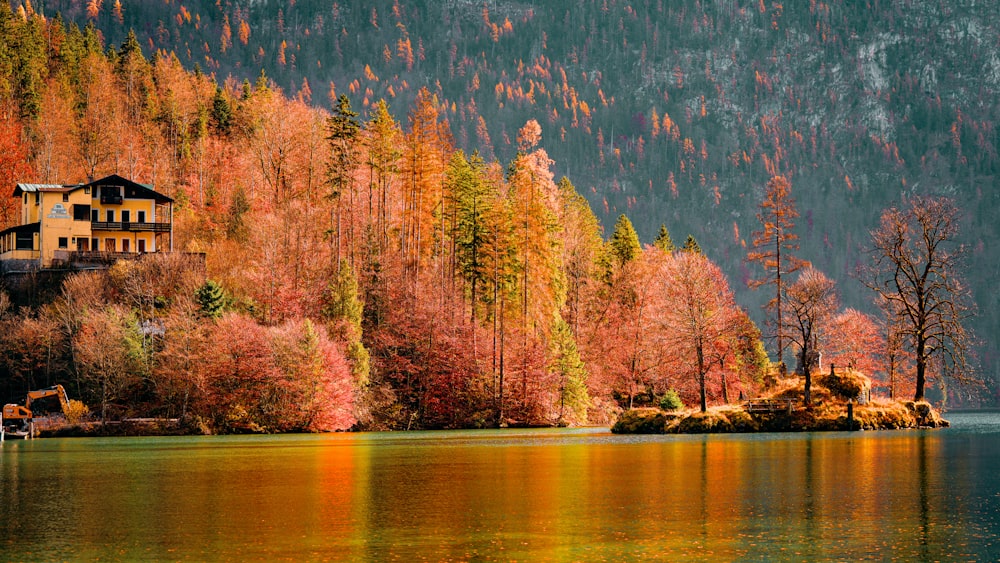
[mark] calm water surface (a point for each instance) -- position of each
(548, 495)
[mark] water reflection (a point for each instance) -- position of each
(516, 495)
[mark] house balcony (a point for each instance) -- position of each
(90, 257)
(111, 199)
(130, 227)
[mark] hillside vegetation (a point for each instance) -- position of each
(674, 112)
(363, 269)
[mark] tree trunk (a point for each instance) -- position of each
(921, 368)
(701, 377)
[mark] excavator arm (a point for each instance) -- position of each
(55, 390)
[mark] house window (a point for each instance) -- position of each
(111, 215)
(141, 216)
(86, 191)
(125, 245)
(109, 245)
(24, 241)
(93, 244)
(94, 216)
(140, 245)
(83, 244)
(65, 197)
(38, 198)
(111, 195)
(81, 212)
(63, 242)
(26, 199)
(126, 216)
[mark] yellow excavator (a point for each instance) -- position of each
(19, 422)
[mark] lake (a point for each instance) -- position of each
(525, 495)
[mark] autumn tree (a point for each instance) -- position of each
(897, 358)
(582, 243)
(699, 313)
(533, 197)
(382, 142)
(423, 166)
(774, 245)
(855, 341)
(809, 304)
(14, 166)
(110, 353)
(916, 266)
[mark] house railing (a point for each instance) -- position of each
(130, 226)
(92, 256)
(66, 257)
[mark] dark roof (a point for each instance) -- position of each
(133, 190)
(29, 228)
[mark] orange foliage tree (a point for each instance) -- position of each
(774, 244)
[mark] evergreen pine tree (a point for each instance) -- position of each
(211, 299)
(571, 372)
(691, 245)
(663, 240)
(344, 311)
(222, 113)
(624, 241)
(342, 129)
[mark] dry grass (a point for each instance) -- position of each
(827, 411)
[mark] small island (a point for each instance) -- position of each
(839, 400)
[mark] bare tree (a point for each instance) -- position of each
(809, 303)
(916, 267)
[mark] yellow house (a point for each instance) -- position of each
(101, 221)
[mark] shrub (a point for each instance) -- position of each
(846, 384)
(76, 411)
(671, 401)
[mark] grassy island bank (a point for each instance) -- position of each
(827, 410)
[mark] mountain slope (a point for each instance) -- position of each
(673, 112)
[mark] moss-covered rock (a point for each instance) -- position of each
(640, 421)
(925, 415)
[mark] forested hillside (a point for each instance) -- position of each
(672, 112)
(675, 113)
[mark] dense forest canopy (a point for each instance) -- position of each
(672, 113)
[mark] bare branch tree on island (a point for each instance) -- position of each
(916, 266)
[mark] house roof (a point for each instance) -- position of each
(28, 228)
(132, 189)
(32, 188)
